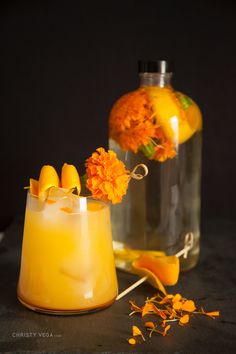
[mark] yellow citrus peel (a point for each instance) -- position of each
(161, 271)
(178, 124)
(70, 178)
(34, 186)
(48, 178)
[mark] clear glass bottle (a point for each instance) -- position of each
(161, 128)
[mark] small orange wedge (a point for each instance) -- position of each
(178, 124)
(159, 269)
(48, 178)
(34, 185)
(70, 178)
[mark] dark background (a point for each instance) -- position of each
(65, 63)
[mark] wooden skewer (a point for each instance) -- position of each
(131, 287)
(188, 244)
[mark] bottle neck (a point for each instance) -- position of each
(155, 79)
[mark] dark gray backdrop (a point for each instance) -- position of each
(65, 63)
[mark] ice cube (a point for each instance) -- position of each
(58, 200)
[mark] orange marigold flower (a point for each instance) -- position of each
(164, 149)
(107, 177)
(131, 122)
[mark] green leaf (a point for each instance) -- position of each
(148, 150)
(185, 101)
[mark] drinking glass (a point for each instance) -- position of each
(67, 262)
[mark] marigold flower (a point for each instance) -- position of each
(131, 120)
(134, 126)
(107, 177)
(164, 149)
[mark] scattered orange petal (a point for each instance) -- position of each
(132, 341)
(213, 313)
(166, 329)
(163, 323)
(184, 320)
(135, 307)
(177, 298)
(173, 314)
(210, 314)
(159, 312)
(149, 325)
(167, 308)
(177, 305)
(189, 306)
(166, 299)
(136, 332)
(147, 308)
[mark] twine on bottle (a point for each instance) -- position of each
(188, 245)
(139, 176)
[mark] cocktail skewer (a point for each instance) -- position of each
(188, 244)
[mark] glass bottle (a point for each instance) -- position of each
(161, 128)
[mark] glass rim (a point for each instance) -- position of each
(76, 198)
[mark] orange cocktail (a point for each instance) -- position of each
(67, 263)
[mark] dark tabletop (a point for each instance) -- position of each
(211, 284)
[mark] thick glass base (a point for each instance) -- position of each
(64, 312)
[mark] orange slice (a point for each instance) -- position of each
(177, 124)
(48, 178)
(160, 270)
(70, 178)
(34, 185)
(194, 117)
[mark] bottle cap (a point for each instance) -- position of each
(155, 66)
